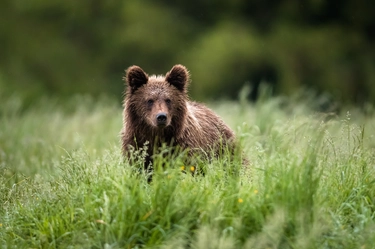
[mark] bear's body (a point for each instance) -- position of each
(157, 110)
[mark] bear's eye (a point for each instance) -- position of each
(150, 102)
(168, 101)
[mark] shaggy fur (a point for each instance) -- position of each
(157, 110)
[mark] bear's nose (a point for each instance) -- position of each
(161, 118)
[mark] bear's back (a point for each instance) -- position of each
(203, 129)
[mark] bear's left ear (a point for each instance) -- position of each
(135, 77)
(178, 77)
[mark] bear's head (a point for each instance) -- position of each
(157, 101)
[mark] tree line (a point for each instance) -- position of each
(66, 47)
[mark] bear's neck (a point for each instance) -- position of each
(155, 137)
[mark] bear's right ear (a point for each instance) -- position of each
(135, 77)
(178, 77)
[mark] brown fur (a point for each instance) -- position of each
(182, 122)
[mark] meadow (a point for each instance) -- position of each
(64, 183)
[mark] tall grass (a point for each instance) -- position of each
(64, 183)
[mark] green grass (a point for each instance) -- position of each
(64, 184)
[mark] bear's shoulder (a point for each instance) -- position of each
(197, 108)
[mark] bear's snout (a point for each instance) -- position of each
(161, 119)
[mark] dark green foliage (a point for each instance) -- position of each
(61, 47)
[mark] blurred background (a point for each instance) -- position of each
(61, 48)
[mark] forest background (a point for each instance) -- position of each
(66, 47)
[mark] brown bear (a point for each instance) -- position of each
(157, 110)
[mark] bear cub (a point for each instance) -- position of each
(157, 110)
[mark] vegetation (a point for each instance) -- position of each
(64, 184)
(60, 47)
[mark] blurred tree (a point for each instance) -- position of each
(65, 47)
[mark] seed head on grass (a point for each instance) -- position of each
(147, 215)
(100, 221)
